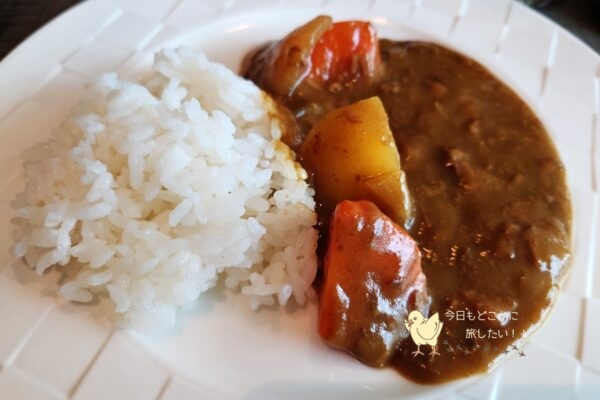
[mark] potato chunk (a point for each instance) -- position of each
(352, 155)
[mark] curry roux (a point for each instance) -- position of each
(493, 216)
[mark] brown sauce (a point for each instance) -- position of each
(493, 216)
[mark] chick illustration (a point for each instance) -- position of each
(424, 330)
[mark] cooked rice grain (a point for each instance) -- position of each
(153, 193)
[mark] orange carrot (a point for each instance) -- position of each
(346, 51)
(372, 279)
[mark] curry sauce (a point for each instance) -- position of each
(492, 210)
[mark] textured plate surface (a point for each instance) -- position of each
(53, 350)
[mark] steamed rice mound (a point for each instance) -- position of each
(155, 193)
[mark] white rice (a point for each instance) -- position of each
(154, 194)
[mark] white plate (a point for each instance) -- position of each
(53, 350)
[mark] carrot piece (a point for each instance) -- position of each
(372, 280)
(346, 51)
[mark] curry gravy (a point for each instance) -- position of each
(493, 212)
(493, 216)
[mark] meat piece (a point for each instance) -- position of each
(372, 280)
(461, 164)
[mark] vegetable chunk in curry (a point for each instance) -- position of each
(489, 206)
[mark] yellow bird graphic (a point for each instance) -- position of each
(424, 331)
